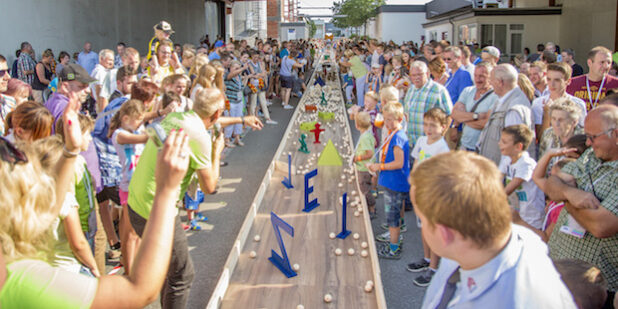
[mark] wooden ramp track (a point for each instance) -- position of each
(248, 282)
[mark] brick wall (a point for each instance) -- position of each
(273, 17)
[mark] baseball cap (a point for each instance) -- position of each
(492, 51)
(164, 26)
(219, 44)
(74, 71)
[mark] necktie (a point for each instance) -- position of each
(449, 289)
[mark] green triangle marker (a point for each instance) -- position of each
(330, 156)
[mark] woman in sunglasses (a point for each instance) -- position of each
(26, 214)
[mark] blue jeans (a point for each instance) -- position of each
(393, 201)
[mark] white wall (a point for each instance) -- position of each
(444, 27)
(399, 27)
(67, 24)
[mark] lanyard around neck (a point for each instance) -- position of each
(594, 104)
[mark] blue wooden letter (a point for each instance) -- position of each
(309, 206)
(287, 181)
(283, 263)
(344, 232)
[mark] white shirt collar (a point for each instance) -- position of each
(506, 95)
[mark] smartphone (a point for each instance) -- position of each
(156, 133)
(216, 129)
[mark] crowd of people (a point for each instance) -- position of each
(495, 159)
(94, 122)
(489, 153)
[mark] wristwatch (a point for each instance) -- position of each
(475, 116)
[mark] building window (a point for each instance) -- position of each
(467, 34)
(507, 38)
(500, 37)
(487, 35)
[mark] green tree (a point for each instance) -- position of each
(312, 28)
(356, 12)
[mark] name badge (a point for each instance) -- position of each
(571, 227)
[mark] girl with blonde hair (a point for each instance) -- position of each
(32, 200)
(205, 79)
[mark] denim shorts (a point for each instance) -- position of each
(393, 201)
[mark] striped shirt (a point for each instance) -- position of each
(418, 101)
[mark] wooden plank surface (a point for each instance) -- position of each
(255, 282)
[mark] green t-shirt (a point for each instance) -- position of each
(143, 185)
(358, 68)
(63, 255)
(85, 195)
(365, 142)
(36, 284)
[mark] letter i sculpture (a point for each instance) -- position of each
(344, 232)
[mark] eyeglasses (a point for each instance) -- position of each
(10, 154)
(593, 137)
(3, 72)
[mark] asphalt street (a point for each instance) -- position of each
(227, 209)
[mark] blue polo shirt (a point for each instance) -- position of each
(213, 56)
(456, 83)
(521, 276)
(396, 180)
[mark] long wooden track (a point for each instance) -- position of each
(248, 282)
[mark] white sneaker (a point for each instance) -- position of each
(270, 121)
(269, 103)
(288, 106)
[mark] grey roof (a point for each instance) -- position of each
(402, 8)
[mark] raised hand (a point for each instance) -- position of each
(72, 130)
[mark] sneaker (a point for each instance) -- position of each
(200, 217)
(113, 255)
(270, 121)
(373, 215)
(403, 228)
(269, 103)
(239, 143)
(418, 266)
(374, 193)
(424, 279)
(386, 237)
(194, 226)
(386, 253)
(288, 106)
(185, 227)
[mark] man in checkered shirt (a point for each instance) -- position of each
(587, 228)
(425, 95)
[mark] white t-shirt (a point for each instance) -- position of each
(128, 154)
(106, 79)
(531, 199)
(423, 151)
(195, 90)
(538, 103)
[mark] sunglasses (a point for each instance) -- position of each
(3, 72)
(10, 154)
